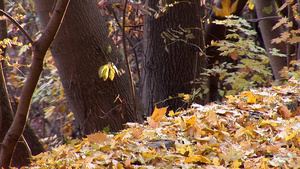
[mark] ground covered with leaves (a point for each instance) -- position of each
(255, 129)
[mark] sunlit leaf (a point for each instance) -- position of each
(192, 121)
(291, 136)
(108, 71)
(196, 159)
(226, 9)
(104, 72)
(159, 113)
(268, 122)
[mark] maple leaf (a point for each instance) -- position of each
(226, 9)
(251, 98)
(276, 40)
(294, 40)
(159, 113)
(280, 22)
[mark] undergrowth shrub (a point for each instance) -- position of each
(251, 68)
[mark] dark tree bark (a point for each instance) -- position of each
(265, 26)
(165, 73)
(217, 32)
(79, 50)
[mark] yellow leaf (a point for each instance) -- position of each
(226, 9)
(183, 149)
(103, 72)
(215, 161)
(231, 98)
(112, 74)
(172, 113)
(252, 99)
(78, 148)
(187, 97)
(120, 166)
(196, 159)
(290, 137)
(192, 121)
(119, 136)
(148, 154)
(108, 71)
(267, 122)
(236, 164)
(158, 114)
(250, 5)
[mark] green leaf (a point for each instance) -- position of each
(268, 10)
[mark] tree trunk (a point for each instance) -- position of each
(265, 26)
(79, 50)
(167, 73)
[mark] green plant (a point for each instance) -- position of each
(250, 69)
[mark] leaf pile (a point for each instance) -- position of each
(255, 129)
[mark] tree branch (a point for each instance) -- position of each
(40, 48)
(127, 62)
(17, 24)
(263, 18)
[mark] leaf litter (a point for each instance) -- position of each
(255, 129)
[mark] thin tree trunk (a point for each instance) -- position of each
(79, 50)
(22, 155)
(40, 47)
(265, 26)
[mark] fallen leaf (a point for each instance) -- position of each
(97, 138)
(159, 113)
(197, 159)
(285, 112)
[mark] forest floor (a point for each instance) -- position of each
(256, 129)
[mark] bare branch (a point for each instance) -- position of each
(17, 24)
(127, 62)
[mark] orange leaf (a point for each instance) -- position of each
(226, 9)
(159, 113)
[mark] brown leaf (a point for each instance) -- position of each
(97, 138)
(280, 22)
(285, 112)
